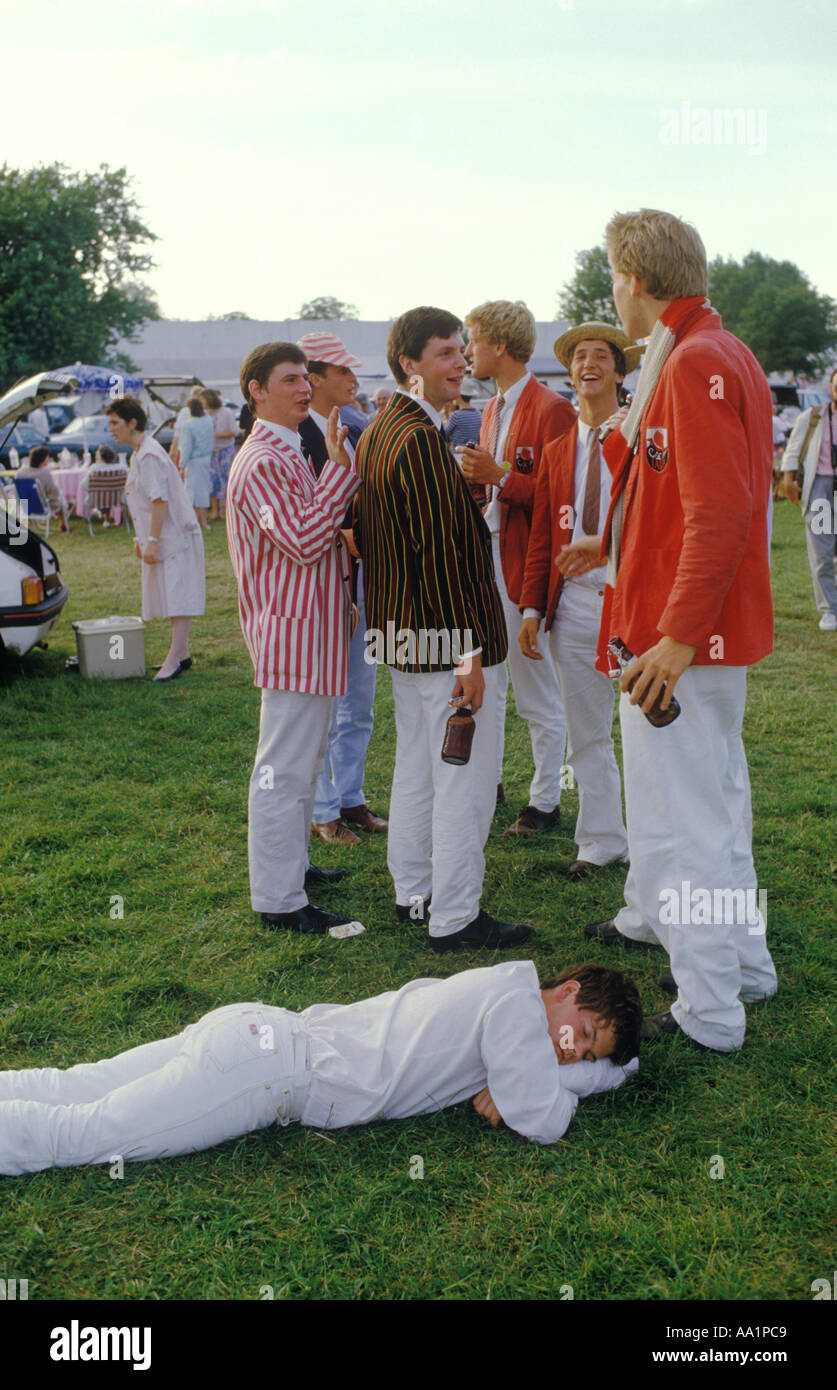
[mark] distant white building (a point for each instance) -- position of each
(214, 349)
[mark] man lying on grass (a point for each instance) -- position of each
(523, 1051)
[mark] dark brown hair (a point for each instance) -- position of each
(618, 354)
(410, 334)
(127, 408)
(259, 363)
(195, 407)
(38, 456)
(613, 998)
(210, 398)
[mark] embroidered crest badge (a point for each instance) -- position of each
(524, 458)
(656, 448)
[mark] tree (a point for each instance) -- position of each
(772, 306)
(232, 317)
(69, 255)
(588, 297)
(327, 307)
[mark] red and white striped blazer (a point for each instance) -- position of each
(291, 565)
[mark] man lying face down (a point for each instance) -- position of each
(520, 1050)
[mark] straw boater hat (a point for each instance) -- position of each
(327, 347)
(564, 345)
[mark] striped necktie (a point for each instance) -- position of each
(493, 441)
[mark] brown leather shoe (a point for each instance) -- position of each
(335, 832)
(363, 817)
(531, 820)
(581, 868)
(501, 793)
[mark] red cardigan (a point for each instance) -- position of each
(539, 417)
(552, 526)
(694, 557)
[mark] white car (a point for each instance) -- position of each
(32, 592)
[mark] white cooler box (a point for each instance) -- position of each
(113, 647)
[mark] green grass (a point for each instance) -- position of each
(130, 789)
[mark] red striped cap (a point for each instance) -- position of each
(327, 347)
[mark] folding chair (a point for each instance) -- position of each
(35, 502)
(106, 489)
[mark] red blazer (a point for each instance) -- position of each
(694, 557)
(552, 526)
(539, 417)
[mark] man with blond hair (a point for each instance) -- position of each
(689, 597)
(520, 420)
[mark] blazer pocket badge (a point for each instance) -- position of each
(656, 448)
(524, 458)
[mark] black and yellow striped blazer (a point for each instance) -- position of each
(426, 550)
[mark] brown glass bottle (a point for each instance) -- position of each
(459, 735)
(655, 715)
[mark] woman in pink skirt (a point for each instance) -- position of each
(168, 537)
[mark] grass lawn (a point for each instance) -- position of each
(130, 789)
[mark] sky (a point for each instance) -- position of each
(398, 152)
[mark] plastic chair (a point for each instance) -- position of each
(106, 489)
(35, 501)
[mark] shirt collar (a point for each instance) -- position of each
(425, 405)
(512, 396)
(281, 431)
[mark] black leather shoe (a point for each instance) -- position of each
(484, 931)
(173, 677)
(306, 919)
(657, 1026)
(609, 933)
(531, 820)
(184, 665)
(405, 913)
(667, 982)
(315, 875)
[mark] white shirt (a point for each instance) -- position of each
(593, 579)
(321, 422)
(437, 1042)
(511, 397)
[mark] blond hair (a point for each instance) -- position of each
(661, 250)
(501, 321)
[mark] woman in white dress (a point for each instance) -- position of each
(168, 536)
(197, 435)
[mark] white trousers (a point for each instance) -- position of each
(440, 815)
(292, 739)
(588, 698)
(237, 1069)
(687, 794)
(537, 697)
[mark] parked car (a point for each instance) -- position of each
(60, 412)
(22, 437)
(90, 431)
(32, 592)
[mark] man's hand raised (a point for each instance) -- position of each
(335, 435)
(484, 1105)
